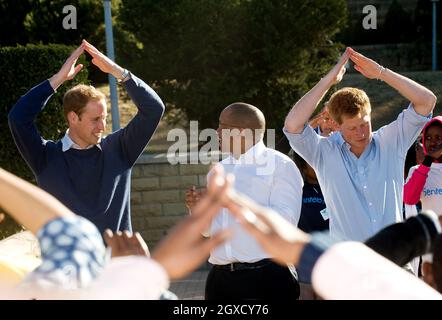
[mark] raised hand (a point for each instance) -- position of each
(326, 123)
(69, 70)
(314, 122)
(126, 244)
(103, 62)
(369, 68)
(192, 197)
(335, 75)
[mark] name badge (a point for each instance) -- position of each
(324, 214)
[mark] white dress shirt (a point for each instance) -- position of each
(272, 180)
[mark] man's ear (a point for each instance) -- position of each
(73, 118)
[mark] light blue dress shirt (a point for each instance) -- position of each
(363, 195)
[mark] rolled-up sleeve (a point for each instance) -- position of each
(402, 132)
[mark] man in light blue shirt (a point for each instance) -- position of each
(360, 171)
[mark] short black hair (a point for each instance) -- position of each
(245, 114)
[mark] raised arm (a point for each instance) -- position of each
(29, 205)
(69, 69)
(22, 116)
(304, 108)
(135, 136)
(423, 100)
(104, 63)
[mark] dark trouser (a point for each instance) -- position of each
(264, 280)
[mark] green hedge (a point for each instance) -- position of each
(21, 68)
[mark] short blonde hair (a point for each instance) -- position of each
(348, 102)
(76, 98)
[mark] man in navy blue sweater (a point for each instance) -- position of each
(87, 173)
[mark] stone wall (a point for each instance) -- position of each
(158, 192)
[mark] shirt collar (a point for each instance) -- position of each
(68, 143)
(340, 140)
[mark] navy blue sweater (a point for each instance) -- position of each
(92, 183)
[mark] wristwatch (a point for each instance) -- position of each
(124, 76)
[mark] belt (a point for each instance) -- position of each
(236, 266)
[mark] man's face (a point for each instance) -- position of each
(356, 131)
(327, 125)
(90, 125)
(229, 134)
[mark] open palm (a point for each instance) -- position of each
(368, 67)
(337, 73)
(100, 60)
(69, 69)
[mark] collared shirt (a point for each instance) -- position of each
(272, 180)
(68, 143)
(362, 195)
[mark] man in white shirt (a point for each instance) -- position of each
(241, 269)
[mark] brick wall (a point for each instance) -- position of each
(158, 192)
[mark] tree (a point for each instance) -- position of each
(12, 17)
(424, 19)
(45, 22)
(203, 55)
(424, 27)
(398, 26)
(41, 21)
